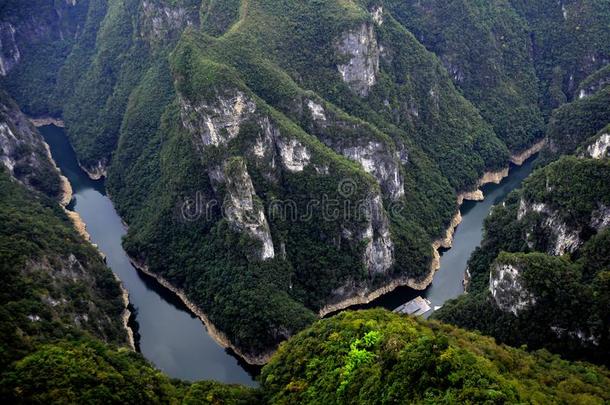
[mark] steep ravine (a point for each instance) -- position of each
(444, 242)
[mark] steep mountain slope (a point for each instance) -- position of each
(486, 48)
(570, 42)
(54, 284)
(267, 118)
(23, 153)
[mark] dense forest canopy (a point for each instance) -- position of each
(224, 128)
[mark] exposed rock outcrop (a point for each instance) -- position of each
(375, 160)
(561, 238)
(520, 158)
(217, 122)
(374, 155)
(243, 209)
(507, 288)
(600, 148)
(97, 171)
(379, 251)
(361, 48)
(9, 51)
(295, 156)
(164, 20)
(24, 154)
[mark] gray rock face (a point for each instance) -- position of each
(22, 150)
(600, 218)
(377, 14)
(562, 239)
(373, 155)
(507, 289)
(594, 87)
(218, 121)
(375, 160)
(9, 52)
(294, 155)
(164, 21)
(242, 208)
(600, 148)
(360, 46)
(379, 251)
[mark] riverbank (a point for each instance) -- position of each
(80, 226)
(100, 171)
(444, 242)
(214, 332)
(46, 120)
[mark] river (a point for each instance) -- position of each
(171, 337)
(448, 280)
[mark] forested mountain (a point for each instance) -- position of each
(551, 290)
(277, 160)
(279, 103)
(354, 358)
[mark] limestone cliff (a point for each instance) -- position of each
(243, 209)
(23, 153)
(507, 288)
(599, 148)
(361, 51)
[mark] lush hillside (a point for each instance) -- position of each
(486, 48)
(575, 122)
(23, 153)
(536, 297)
(54, 284)
(92, 372)
(356, 357)
(379, 357)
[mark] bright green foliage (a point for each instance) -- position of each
(358, 356)
(86, 371)
(406, 360)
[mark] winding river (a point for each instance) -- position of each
(170, 336)
(173, 338)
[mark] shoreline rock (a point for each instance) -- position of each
(126, 314)
(519, 158)
(98, 173)
(214, 332)
(46, 120)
